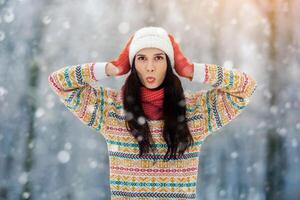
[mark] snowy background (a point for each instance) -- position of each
(45, 153)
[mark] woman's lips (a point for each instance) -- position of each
(150, 79)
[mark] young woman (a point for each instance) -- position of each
(152, 112)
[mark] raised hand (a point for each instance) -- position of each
(122, 62)
(182, 65)
(112, 70)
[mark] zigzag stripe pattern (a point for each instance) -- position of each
(78, 75)
(153, 184)
(150, 156)
(119, 117)
(126, 144)
(219, 76)
(215, 110)
(153, 195)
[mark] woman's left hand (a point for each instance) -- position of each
(182, 65)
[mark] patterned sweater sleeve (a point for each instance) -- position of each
(230, 93)
(74, 86)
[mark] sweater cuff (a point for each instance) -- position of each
(99, 70)
(199, 72)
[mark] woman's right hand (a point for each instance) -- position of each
(111, 69)
(122, 61)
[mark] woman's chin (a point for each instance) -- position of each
(150, 86)
(153, 86)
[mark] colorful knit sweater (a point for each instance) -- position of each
(101, 109)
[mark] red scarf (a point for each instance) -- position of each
(152, 102)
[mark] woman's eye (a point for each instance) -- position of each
(157, 58)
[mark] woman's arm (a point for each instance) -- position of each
(73, 86)
(228, 98)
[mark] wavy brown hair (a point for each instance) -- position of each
(175, 131)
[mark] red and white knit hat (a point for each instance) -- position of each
(156, 37)
(151, 36)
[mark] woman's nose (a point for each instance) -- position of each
(150, 66)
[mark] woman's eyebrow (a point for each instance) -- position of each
(154, 54)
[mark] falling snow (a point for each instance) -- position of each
(141, 120)
(63, 156)
(46, 153)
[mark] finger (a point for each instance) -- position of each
(187, 72)
(116, 70)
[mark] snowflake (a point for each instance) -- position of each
(63, 156)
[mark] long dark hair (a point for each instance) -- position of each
(175, 131)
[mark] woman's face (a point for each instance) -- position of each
(151, 62)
